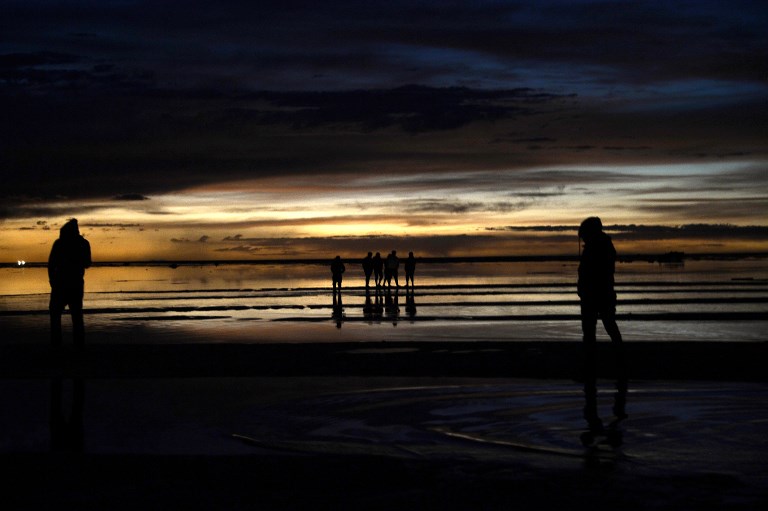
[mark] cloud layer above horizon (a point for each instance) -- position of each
(262, 128)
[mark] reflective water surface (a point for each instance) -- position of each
(700, 300)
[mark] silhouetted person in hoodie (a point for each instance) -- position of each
(70, 256)
(598, 300)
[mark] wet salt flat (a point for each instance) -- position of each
(700, 300)
(675, 429)
(684, 441)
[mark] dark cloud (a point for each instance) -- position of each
(414, 109)
(321, 247)
(248, 249)
(243, 45)
(36, 208)
(101, 225)
(754, 177)
(536, 228)
(201, 239)
(728, 209)
(656, 232)
(531, 140)
(20, 61)
(156, 97)
(559, 191)
(693, 231)
(457, 206)
(57, 73)
(442, 206)
(97, 147)
(131, 197)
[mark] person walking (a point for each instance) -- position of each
(597, 296)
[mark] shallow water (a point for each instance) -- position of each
(700, 300)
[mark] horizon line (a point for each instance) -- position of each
(666, 257)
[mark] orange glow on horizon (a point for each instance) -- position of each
(467, 213)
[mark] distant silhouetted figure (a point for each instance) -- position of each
(368, 268)
(378, 267)
(391, 266)
(337, 269)
(70, 256)
(410, 268)
(598, 300)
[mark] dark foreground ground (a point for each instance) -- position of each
(362, 426)
(743, 361)
(345, 482)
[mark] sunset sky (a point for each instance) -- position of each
(257, 130)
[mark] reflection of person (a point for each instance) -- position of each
(368, 268)
(338, 309)
(378, 306)
(378, 267)
(70, 256)
(67, 432)
(410, 268)
(391, 307)
(368, 309)
(598, 300)
(410, 303)
(337, 269)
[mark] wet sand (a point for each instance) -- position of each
(457, 425)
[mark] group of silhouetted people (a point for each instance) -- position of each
(71, 255)
(383, 270)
